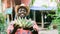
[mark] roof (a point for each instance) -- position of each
(42, 8)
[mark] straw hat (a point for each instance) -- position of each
(22, 5)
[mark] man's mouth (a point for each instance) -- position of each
(22, 15)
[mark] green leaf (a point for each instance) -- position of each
(2, 18)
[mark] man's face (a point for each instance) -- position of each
(22, 11)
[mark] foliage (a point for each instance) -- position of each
(2, 24)
(2, 18)
(53, 0)
(57, 19)
(32, 2)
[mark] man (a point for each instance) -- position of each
(18, 26)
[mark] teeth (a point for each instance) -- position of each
(22, 15)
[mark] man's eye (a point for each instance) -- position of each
(20, 9)
(19, 12)
(25, 11)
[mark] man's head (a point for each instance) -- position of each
(22, 11)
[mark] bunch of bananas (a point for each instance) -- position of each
(24, 23)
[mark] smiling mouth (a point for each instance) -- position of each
(21, 15)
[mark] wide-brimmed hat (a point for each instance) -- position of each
(22, 5)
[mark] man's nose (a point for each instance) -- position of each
(22, 11)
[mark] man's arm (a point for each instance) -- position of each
(35, 26)
(10, 28)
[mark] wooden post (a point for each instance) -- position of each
(42, 20)
(34, 16)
